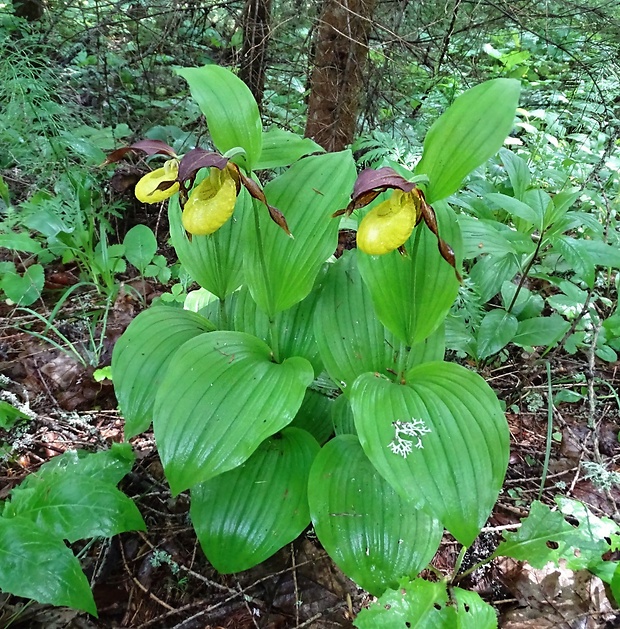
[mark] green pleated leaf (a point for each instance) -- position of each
(221, 396)
(74, 496)
(350, 337)
(541, 331)
(342, 416)
(281, 271)
(412, 294)
(35, 565)
(244, 516)
(213, 261)
(141, 357)
(294, 329)
(471, 131)
(315, 415)
(229, 107)
(450, 451)
(373, 534)
(281, 148)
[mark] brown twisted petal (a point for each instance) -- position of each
(196, 159)
(150, 147)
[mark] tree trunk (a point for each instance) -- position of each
(253, 61)
(337, 77)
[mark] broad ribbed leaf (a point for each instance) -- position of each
(518, 209)
(413, 293)
(221, 396)
(541, 331)
(229, 107)
(454, 457)
(213, 261)
(244, 516)
(373, 534)
(280, 271)
(471, 131)
(141, 357)
(350, 337)
(342, 416)
(294, 329)
(315, 415)
(281, 148)
(35, 565)
(517, 170)
(482, 236)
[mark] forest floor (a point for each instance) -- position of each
(161, 579)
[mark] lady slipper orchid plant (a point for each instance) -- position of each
(388, 225)
(206, 206)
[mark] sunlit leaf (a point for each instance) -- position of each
(471, 131)
(281, 148)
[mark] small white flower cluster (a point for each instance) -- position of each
(415, 428)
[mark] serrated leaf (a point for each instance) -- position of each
(244, 516)
(425, 605)
(471, 131)
(373, 534)
(142, 355)
(412, 294)
(222, 395)
(231, 111)
(213, 261)
(457, 469)
(281, 271)
(19, 242)
(496, 330)
(418, 603)
(349, 335)
(37, 566)
(282, 148)
(70, 506)
(545, 536)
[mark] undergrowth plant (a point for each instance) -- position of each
(244, 396)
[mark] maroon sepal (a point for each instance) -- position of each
(150, 147)
(196, 159)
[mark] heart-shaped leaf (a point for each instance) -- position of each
(412, 294)
(142, 355)
(245, 515)
(471, 131)
(374, 535)
(221, 396)
(281, 271)
(350, 337)
(440, 440)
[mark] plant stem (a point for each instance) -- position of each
(223, 314)
(526, 271)
(475, 567)
(543, 477)
(459, 561)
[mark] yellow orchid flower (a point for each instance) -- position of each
(147, 188)
(388, 225)
(211, 203)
